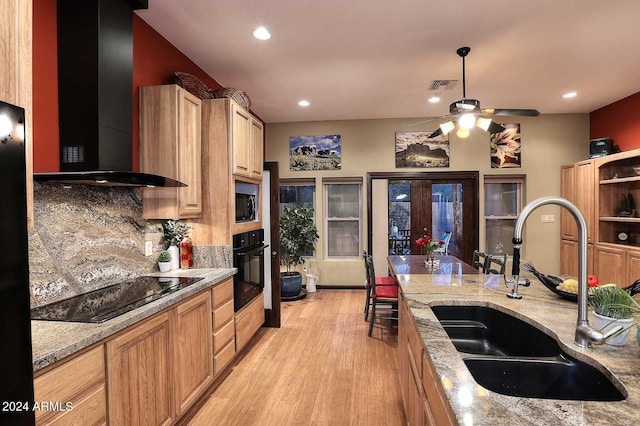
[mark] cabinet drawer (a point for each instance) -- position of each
(89, 410)
(222, 359)
(67, 382)
(223, 337)
(222, 316)
(248, 320)
(222, 293)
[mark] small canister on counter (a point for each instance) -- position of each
(186, 253)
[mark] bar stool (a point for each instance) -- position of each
(381, 281)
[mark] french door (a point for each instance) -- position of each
(429, 202)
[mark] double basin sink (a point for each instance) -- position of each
(509, 356)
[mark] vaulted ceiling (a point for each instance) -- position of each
(360, 59)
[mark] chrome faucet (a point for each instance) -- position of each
(585, 335)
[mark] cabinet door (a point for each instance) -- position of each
(139, 374)
(240, 140)
(585, 195)
(633, 267)
(193, 349)
(248, 320)
(611, 265)
(569, 258)
(568, 229)
(189, 154)
(415, 403)
(256, 152)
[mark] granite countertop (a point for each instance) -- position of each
(54, 340)
(475, 405)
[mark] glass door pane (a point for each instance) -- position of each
(399, 217)
(446, 211)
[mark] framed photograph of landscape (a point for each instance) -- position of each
(315, 152)
(506, 149)
(415, 149)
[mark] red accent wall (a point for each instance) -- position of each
(619, 121)
(154, 62)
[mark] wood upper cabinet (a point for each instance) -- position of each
(16, 21)
(256, 153)
(79, 384)
(568, 229)
(247, 143)
(193, 347)
(170, 146)
(578, 186)
(140, 374)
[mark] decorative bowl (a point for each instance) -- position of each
(551, 285)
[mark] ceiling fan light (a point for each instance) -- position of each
(483, 123)
(466, 121)
(462, 133)
(447, 127)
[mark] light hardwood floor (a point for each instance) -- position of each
(319, 368)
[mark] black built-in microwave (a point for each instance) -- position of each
(245, 207)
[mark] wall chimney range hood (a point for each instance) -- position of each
(95, 86)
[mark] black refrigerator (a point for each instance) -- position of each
(16, 365)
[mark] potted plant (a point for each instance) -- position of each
(174, 232)
(298, 235)
(613, 306)
(164, 261)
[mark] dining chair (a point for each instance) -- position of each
(479, 260)
(381, 281)
(384, 298)
(495, 264)
(444, 249)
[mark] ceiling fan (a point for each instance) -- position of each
(468, 112)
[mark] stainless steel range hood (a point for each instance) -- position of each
(95, 86)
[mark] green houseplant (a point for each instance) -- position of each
(164, 261)
(174, 231)
(298, 235)
(613, 306)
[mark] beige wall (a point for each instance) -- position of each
(548, 142)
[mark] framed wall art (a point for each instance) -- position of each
(415, 149)
(506, 149)
(322, 152)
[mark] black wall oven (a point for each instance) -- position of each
(248, 257)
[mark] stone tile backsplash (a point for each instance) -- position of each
(88, 237)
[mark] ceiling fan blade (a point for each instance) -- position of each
(512, 112)
(427, 120)
(495, 127)
(436, 133)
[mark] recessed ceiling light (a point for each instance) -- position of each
(304, 103)
(261, 33)
(570, 95)
(434, 99)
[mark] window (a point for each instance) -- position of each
(342, 215)
(297, 192)
(503, 197)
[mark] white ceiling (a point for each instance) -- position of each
(359, 59)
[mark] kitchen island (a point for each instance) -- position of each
(453, 283)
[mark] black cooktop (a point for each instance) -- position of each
(106, 303)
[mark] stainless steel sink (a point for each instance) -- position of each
(509, 356)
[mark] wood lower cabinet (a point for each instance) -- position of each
(140, 372)
(224, 332)
(425, 402)
(77, 388)
(611, 264)
(248, 320)
(569, 254)
(193, 344)
(159, 368)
